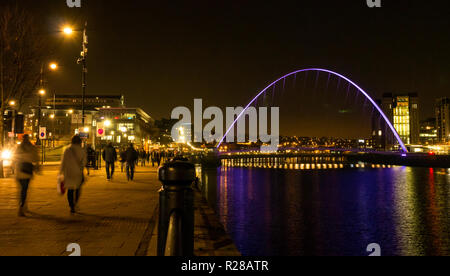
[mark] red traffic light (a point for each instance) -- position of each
(100, 131)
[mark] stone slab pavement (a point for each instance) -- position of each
(116, 218)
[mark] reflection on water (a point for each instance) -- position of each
(333, 212)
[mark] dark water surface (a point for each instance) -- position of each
(271, 212)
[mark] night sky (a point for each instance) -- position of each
(163, 54)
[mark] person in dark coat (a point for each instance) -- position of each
(131, 156)
(153, 157)
(26, 159)
(158, 158)
(123, 159)
(142, 156)
(90, 158)
(110, 157)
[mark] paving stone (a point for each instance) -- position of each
(117, 218)
(113, 215)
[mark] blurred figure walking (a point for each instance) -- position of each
(123, 159)
(90, 158)
(153, 157)
(132, 156)
(26, 158)
(110, 157)
(158, 157)
(72, 166)
(143, 157)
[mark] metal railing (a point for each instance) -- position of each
(176, 211)
(174, 243)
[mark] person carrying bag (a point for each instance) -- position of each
(72, 169)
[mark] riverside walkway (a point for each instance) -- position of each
(117, 218)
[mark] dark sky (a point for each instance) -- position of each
(163, 54)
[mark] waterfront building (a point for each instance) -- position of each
(403, 111)
(428, 132)
(124, 125)
(443, 119)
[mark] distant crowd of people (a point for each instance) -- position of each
(74, 160)
(130, 158)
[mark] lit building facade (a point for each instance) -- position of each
(443, 119)
(428, 132)
(403, 111)
(123, 126)
(62, 114)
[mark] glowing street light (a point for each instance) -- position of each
(53, 66)
(6, 155)
(81, 60)
(42, 92)
(107, 123)
(12, 103)
(68, 30)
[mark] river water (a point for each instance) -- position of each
(273, 212)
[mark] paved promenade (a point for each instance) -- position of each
(117, 218)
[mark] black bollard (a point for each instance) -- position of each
(176, 209)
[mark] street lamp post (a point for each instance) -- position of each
(12, 104)
(53, 67)
(38, 138)
(83, 61)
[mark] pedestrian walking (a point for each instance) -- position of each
(123, 159)
(90, 158)
(158, 158)
(26, 159)
(72, 166)
(110, 158)
(131, 156)
(142, 157)
(153, 157)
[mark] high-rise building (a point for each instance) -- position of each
(428, 132)
(443, 119)
(379, 129)
(403, 111)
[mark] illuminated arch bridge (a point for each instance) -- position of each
(388, 122)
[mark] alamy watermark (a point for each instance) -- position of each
(374, 3)
(75, 249)
(186, 130)
(77, 3)
(73, 3)
(374, 249)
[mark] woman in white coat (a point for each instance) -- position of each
(72, 166)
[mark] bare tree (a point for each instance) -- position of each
(22, 50)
